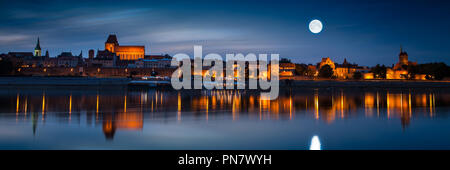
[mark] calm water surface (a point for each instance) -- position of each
(137, 118)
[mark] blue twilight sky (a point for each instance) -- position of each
(366, 32)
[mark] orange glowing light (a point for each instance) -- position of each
(125, 104)
(96, 107)
(70, 104)
(316, 105)
(43, 105)
(17, 105)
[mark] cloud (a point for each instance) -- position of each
(96, 18)
(183, 35)
(13, 38)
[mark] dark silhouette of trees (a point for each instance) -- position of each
(357, 75)
(310, 72)
(434, 71)
(301, 69)
(132, 73)
(285, 60)
(379, 71)
(6, 67)
(326, 71)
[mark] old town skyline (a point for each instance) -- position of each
(119, 60)
(372, 36)
(147, 51)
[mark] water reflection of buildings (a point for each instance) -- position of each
(124, 121)
(131, 119)
(125, 109)
(401, 105)
(108, 110)
(327, 105)
(387, 104)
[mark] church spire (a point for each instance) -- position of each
(401, 49)
(38, 45)
(37, 50)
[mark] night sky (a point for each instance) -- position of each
(364, 32)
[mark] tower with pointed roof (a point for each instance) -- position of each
(37, 49)
(403, 57)
(127, 52)
(111, 43)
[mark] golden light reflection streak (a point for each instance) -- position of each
(161, 100)
(70, 107)
(434, 102)
(207, 107)
(342, 104)
(306, 104)
(378, 105)
(409, 103)
(431, 105)
(239, 104)
(222, 99)
(179, 107)
(214, 102)
(156, 100)
(260, 110)
(26, 106)
(316, 104)
(43, 105)
(96, 108)
(387, 104)
(269, 106)
(17, 105)
(401, 104)
(233, 110)
(125, 104)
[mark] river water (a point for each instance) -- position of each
(61, 117)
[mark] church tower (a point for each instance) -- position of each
(37, 50)
(111, 43)
(403, 57)
(128, 52)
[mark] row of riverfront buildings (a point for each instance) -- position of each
(113, 56)
(118, 60)
(347, 70)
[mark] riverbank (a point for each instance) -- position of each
(366, 83)
(91, 81)
(62, 81)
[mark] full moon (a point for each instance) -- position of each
(315, 26)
